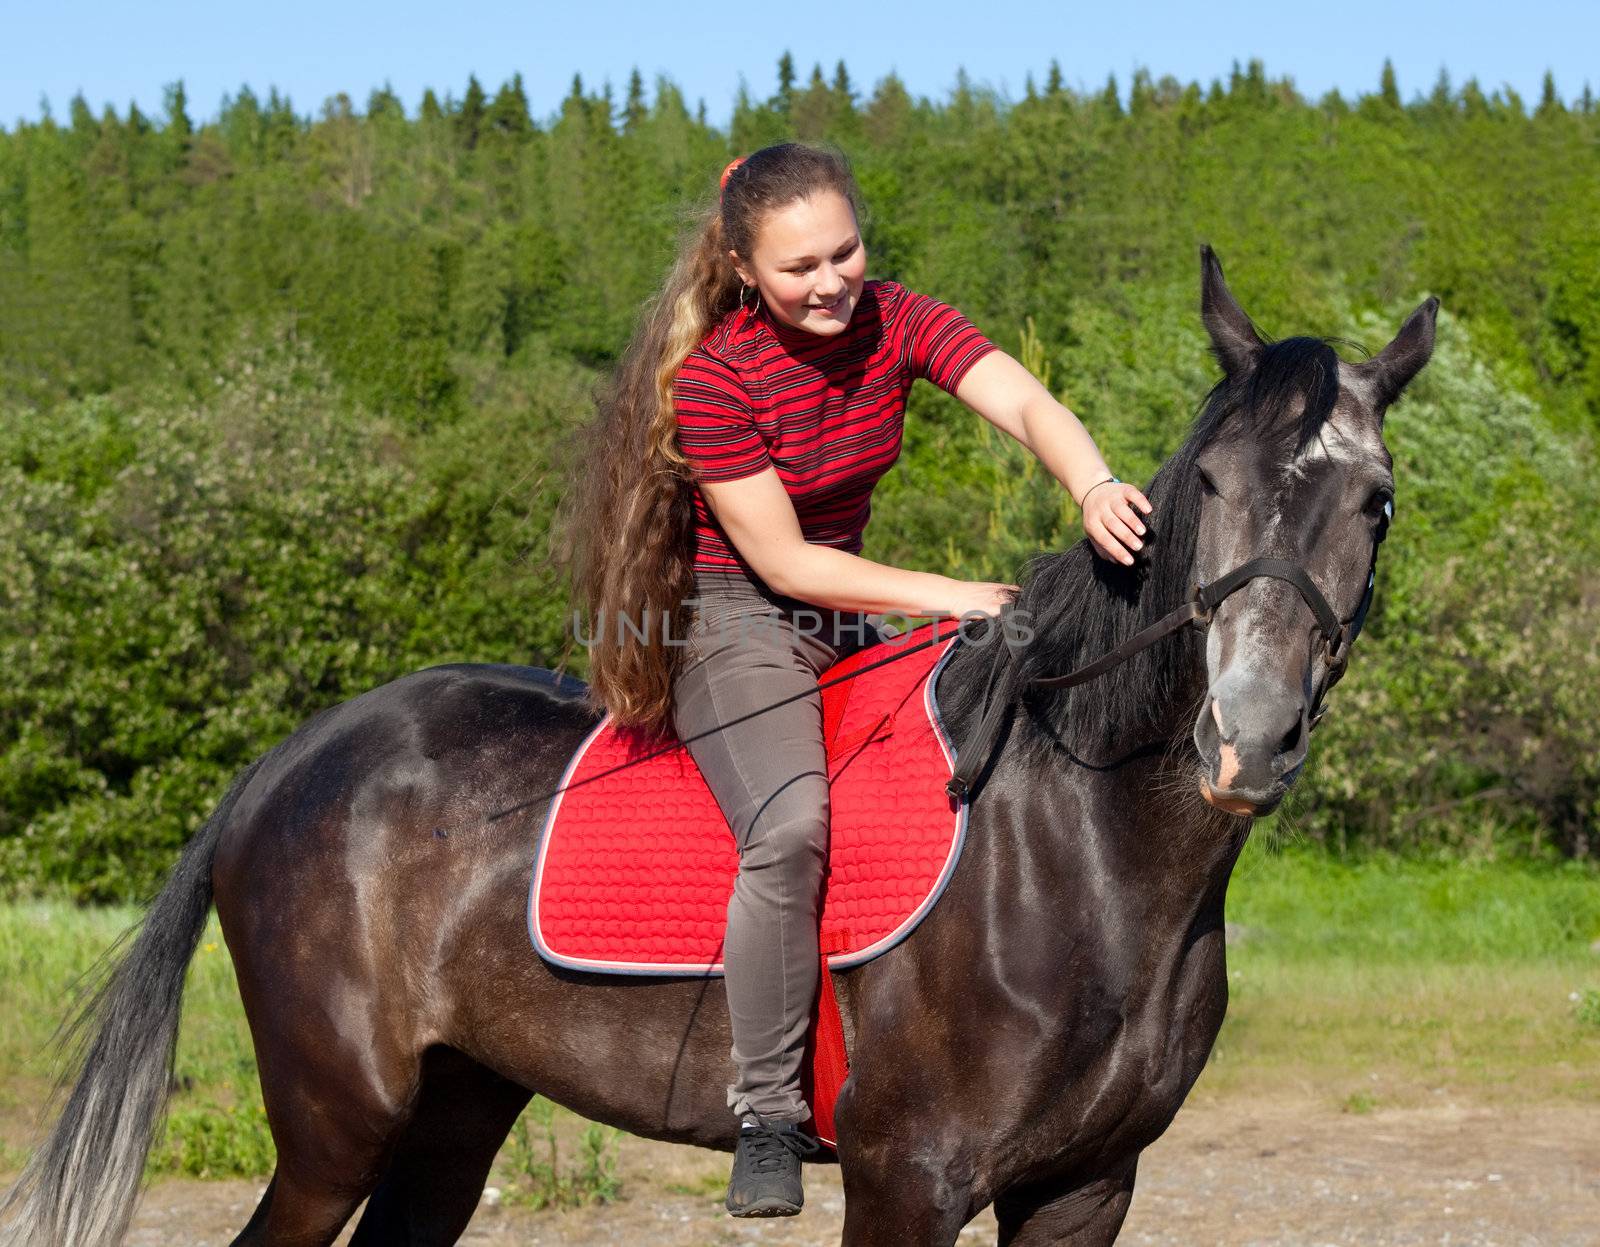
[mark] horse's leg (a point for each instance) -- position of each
(1089, 1215)
(436, 1174)
(900, 1195)
(335, 1113)
(329, 1160)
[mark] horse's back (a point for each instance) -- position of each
(427, 756)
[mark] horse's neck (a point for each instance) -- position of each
(1133, 823)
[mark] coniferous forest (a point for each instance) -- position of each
(286, 402)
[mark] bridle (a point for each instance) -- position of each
(974, 753)
(1337, 638)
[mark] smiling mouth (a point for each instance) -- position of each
(835, 306)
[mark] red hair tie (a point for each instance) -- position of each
(728, 171)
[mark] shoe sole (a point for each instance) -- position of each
(770, 1207)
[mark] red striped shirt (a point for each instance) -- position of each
(826, 412)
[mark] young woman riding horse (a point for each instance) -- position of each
(1018, 1050)
(734, 459)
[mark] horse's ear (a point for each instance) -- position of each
(1233, 338)
(1391, 369)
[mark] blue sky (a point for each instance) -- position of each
(116, 51)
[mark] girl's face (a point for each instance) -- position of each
(809, 264)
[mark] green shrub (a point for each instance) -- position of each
(182, 584)
(537, 1177)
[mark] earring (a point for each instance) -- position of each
(751, 308)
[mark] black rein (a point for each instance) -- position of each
(1337, 638)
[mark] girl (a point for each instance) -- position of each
(729, 478)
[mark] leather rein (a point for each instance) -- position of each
(1337, 638)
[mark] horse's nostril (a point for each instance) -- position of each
(1291, 738)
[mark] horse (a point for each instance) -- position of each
(1020, 1049)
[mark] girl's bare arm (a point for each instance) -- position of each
(758, 516)
(1012, 399)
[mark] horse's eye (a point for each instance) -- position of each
(1208, 485)
(1380, 510)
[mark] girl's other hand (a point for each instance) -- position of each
(985, 597)
(1110, 521)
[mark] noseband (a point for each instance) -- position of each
(1337, 638)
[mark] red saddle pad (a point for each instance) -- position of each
(636, 862)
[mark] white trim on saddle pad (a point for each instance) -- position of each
(838, 961)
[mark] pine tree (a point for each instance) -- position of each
(888, 113)
(1141, 95)
(785, 96)
(84, 125)
(385, 104)
(177, 110)
(507, 116)
(961, 99)
(812, 109)
(634, 111)
(280, 128)
(1053, 85)
(1110, 98)
(177, 131)
(1550, 104)
(844, 93)
(1388, 87)
(1442, 100)
(243, 127)
(469, 121)
(1255, 80)
(430, 111)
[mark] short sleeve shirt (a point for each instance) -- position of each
(825, 412)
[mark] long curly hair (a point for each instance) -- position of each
(623, 532)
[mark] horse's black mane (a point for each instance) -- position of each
(1081, 605)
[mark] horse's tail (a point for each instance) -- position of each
(80, 1186)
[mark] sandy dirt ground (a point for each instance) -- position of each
(1229, 1174)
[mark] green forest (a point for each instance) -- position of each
(286, 402)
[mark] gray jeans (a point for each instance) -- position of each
(749, 647)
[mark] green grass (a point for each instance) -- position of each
(705, 1184)
(1304, 905)
(216, 1126)
(1385, 982)
(1368, 984)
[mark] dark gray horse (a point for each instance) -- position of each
(1021, 1048)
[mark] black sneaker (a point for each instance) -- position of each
(766, 1169)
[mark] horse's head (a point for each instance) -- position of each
(1297, 470)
